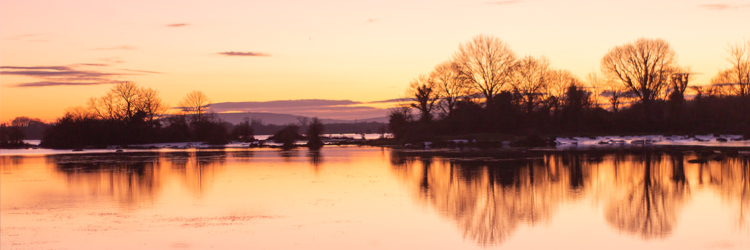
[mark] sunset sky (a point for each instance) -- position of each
(57, 54)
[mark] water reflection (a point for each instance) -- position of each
(129, 179)
(487, 199)
(316, 159)
(9, 163)
(648, 193)
(196, 169)
(641, 193)
(244, 155)
(136, 178)
(731, 179)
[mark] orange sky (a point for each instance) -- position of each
(341, 50)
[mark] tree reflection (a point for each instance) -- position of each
(12, 162)
(130, 180)
(647, 196)
(242, 155)
(488, 200)
(135, 178)
(642, 191)
(197, 169)
(316, 159)
(731, 178)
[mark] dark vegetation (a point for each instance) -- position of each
(21, 128)
(130, 114)
(484, 89)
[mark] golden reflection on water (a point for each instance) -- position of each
(641, 193)
(346, 197)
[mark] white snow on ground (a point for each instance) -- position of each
(610, 141)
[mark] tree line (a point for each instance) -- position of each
(485, 87)
(131, 114)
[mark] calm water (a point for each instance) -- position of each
(372, 198)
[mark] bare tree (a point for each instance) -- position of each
(79, 113)
(151, 103)
(596, 85)
(615, 94)
(303, 121)
(486, 63)
(680, 79)
(643, 66)
(559, 81)
(529, 80)
(124, 100)
(737, 77)
(196, 104)
(421, 90)
(449, 85)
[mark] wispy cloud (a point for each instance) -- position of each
(93, 64)
(50, 84)
(391, 101)
(175, 25)
(337, 109)
(112, 60)
(312, 103)
(143, 71)
(28, 38)
(724, 6)
(371, 20)
(236, 53)
(73, 75)
(505, 2)
(122, 47)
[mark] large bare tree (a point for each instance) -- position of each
(530, 79)
(737, 77)
(487, 63)
(449, 85)
(124, 100)
(644, 66)
(196, 104)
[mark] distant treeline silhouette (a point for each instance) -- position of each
(130, 114)
(21, 128)
(485, 88)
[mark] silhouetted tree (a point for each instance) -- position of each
(448, 85)
(398, 121)
(487, 64)
(11, 136)
(124, 100)
(530, 79)
(244, 131)
(644, 66)
(288, 136)
(737, 77)
(421, 90)
(195, 104)
(314, 130)
(576, 100)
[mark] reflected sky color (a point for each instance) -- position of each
(237, 51)
(372, 198)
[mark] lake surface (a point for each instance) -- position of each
(372, 198)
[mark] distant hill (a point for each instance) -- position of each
(281, 119)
